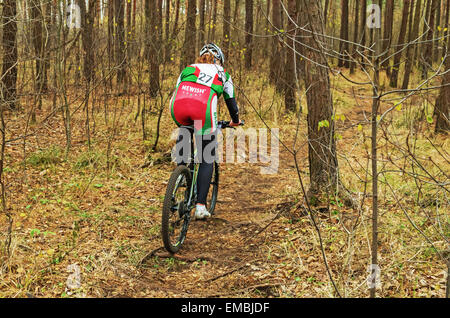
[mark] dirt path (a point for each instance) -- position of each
(224, 255)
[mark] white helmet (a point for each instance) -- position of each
(214, 50)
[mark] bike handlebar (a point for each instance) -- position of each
(226, 124)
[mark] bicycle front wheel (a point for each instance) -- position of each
(175, 212)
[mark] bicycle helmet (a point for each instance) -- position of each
(214, 50)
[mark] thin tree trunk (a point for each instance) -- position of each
(375, 107)
(410, 52)
(226, 27)
(355, 38)
(289, 94)
(120, 46)
(201, 27)
(275, 56)
(362, 27)
(387, 37)
(428, 47)
(39, 45)
(248, 33)
(171, 42)
(442, 107)
(343, 44)
(325, 13)
(400, 43)
(214, 19)
(154, 45)
(9, 42)
(167, 33)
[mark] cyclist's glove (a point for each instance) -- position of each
(233, 109)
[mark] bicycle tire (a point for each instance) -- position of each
(214, 189)
(168, 210)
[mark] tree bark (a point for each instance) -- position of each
(362, 23)
(321, 142)
(428, 47)
(289, 93)
(189, 35)
(387, 35)
(9, 42)
(248, 33)
(400, 43)
(154, 44)
(201, 27)
(39, 45)
(410, 52)
(355, 38)
(343, 44)
(120, 46)
(442, 107)
(167, 33)
(274, 70)
(226, 27)
(174, 32)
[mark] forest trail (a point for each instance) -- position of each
(223, 255)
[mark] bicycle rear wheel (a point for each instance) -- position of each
(175, 212)
(213, 190)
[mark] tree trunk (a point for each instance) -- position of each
(289, 93)
(171, 42)
(111, 37)
(362, 23)
(387, 35)
(428, 47)
(39, 45)
(214, 18)
(154, 45)
(321, 142)
(201, 27)
(248, 33)
(410, 52)
(167, 33)
(9, 42)
(343, 44)
(375, 107)
(276, 46)
(400, 43)
(438, 24)
(189, 35)
(325, 13)
(121, 57)
(355, 38)
(226, 27)
(87, 24)
(442, 107)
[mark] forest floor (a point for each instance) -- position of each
(74, 217)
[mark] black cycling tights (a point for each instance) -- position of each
(206, 152)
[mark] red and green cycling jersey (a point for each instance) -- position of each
(195, 98)
(210, 75)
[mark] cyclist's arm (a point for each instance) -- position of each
(233, 109)
(230, 100)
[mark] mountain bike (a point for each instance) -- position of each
(181, 197)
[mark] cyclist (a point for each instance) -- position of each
(194, 102)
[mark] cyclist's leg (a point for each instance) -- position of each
(205, 171)
(206, 146)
